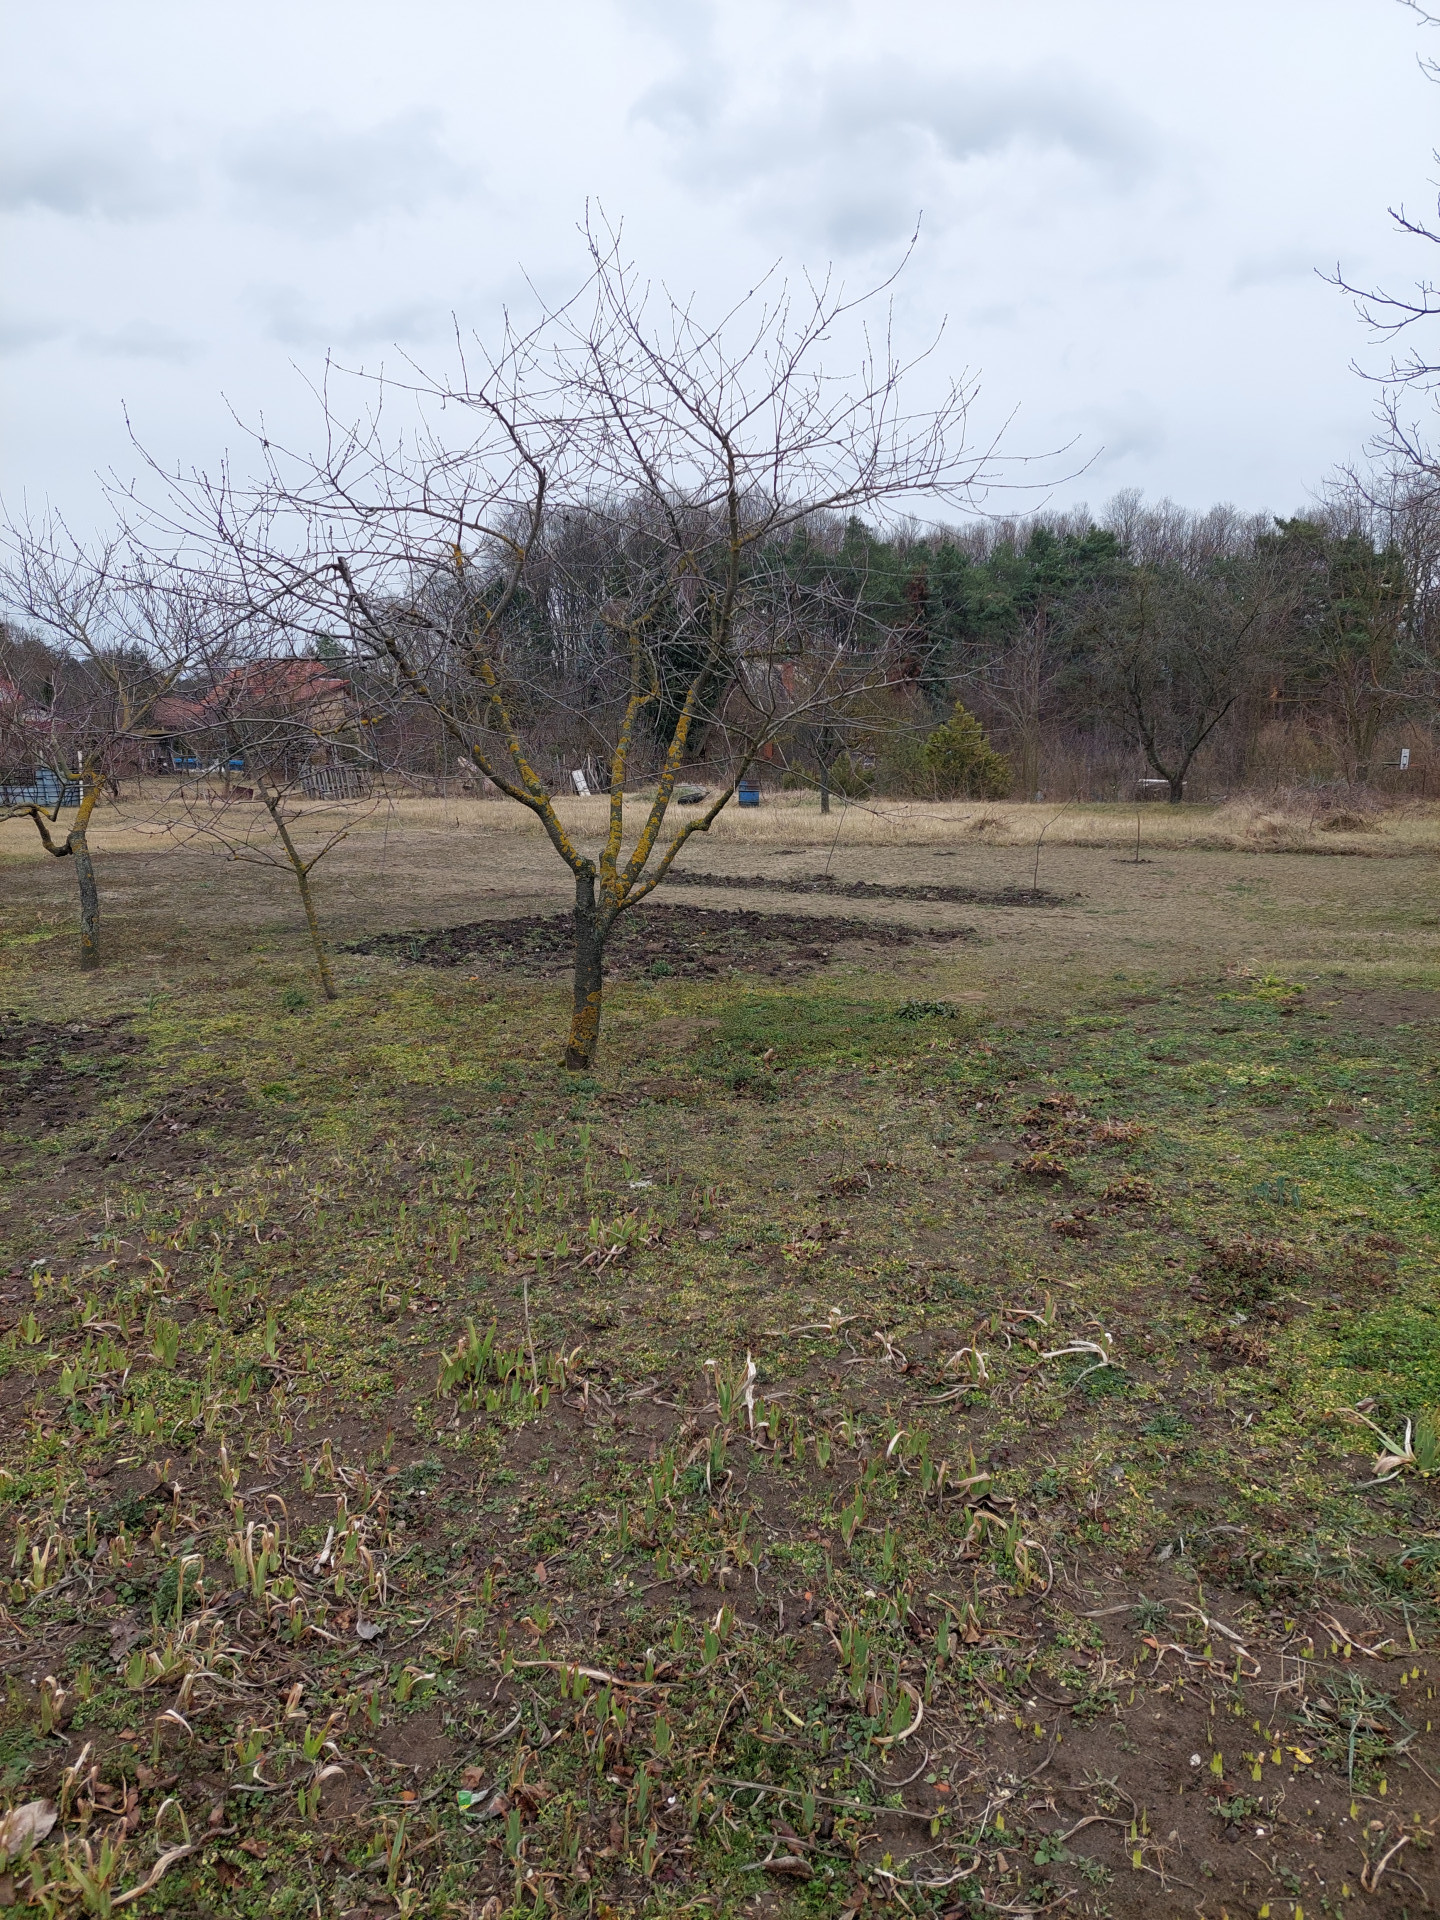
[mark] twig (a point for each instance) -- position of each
(1090, 1820)
(926, 1886)
(600, 1674)
(1371, 1885)
(1025, 1779)
(821, 1799)
(891, 1786)
(1218, 1626)
(158, 1115)
(1035, 882)
(1332, 1625)
(739, 1694)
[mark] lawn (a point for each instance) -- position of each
(901, 1435)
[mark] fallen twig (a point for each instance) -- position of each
(930, 1886)
(598, 1673)
(120, 1155)
(822, 1799)
(1372, 1882)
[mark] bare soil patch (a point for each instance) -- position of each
(1373, 1011)
(684, 941)
(180, 1132)
(52, 1073)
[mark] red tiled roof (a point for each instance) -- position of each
(297, 682)
(279, 686)
(175, 713)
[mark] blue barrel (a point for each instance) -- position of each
(748, 792)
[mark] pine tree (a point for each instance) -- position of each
(962, 763)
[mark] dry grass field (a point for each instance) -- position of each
(941, 1421)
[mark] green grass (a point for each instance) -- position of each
(256, 1417)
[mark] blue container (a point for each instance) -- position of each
(748, 792)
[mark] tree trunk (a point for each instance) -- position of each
(589, 978)
(301, 870)
(1029, 759)
(89, 900)
(1366, 737)
(824, 786)
(1177, 788)
(322, 959)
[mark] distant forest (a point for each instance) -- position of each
(1215, 651)
(1227, 649)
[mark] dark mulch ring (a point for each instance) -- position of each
(685, 941)
(51, 1074)
(867, 889)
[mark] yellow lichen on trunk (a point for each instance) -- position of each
(584, 1032)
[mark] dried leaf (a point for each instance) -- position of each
(790, 1864)
(26, 1826)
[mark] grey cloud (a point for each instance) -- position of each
(117, 176)
(689, 26)
(1270, 269)
(852, 209)
(971, 117)
(1131, 428)
(291, 321)
(680, 108)
(140, 340)
(18, 334)
(1004, 314)
(852, 154)
(693, 24)
(315, 175)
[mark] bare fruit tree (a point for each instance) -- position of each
(281, 721)
(126, 627)
(575, 547)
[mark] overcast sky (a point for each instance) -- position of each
(1125, 203)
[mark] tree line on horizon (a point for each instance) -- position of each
(1214, 651)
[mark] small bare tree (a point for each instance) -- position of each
(833, 683)
(1402, 489)
(280, 718)
(128, 627)
(618, 504)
